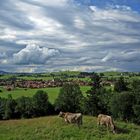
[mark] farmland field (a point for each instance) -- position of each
(52, 92)
(54, 128)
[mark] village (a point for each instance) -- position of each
(10, 85)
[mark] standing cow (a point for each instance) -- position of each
(71, 117)
(107, 121)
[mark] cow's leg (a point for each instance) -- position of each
(113, 129)
(81, 121)
(66, 120)
(107, 125)
(98, 121)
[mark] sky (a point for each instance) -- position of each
(77, 35)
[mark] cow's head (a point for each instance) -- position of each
(61, 114)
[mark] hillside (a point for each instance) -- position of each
(52, 92)
(54, 128)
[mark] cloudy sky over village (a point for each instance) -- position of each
(54, 35)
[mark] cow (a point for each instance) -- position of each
(71, 117)
(107, 121)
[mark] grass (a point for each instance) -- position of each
(54, 128)
(52, 92)
(40, 77)
(29, 77)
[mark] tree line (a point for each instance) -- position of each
(122, 103)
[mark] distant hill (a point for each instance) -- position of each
(3, 72)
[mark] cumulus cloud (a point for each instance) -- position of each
(34, 54)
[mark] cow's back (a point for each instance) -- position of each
(106, 120)
(74, 117)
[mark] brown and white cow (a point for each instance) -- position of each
(107, 121)
(71, 117)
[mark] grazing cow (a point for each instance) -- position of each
(72, 117)
(107, 121)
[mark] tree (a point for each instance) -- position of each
(24, 107)
(9, 108)
(120, 85)
(95, 103)
(69, 98)
(136, 107)
(102, 74)
(2, 107)
(122, 105)
(41, 103)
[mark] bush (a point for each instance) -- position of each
(9, 112)
(122, 105)
(136, 107)
(120, 85)
(2, 107)
(24, 107)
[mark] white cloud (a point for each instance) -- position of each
(121, 7)
(132, 55)
(87, 68)
(50, 2)
(2, 55)
(3, 61)
(107, 57)
(34, 54)
(26, 70)
(85, 36)
(79, 23)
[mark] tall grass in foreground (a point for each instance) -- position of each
(54, 128)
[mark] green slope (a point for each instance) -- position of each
(54, 128)
(52, 92)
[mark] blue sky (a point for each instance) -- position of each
(83, 35)
(134, 4)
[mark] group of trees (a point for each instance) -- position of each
(26, 107)
(126, 104)
(122, 103)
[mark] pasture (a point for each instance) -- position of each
(54, 128)
(52, 92)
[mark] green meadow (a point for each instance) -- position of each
(52, 92)
(54, 128)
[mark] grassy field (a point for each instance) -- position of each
(52, 92)
(28, 77)
(54, 128)
(67, 75)
(46, 78)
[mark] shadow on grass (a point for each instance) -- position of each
(119, 130)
